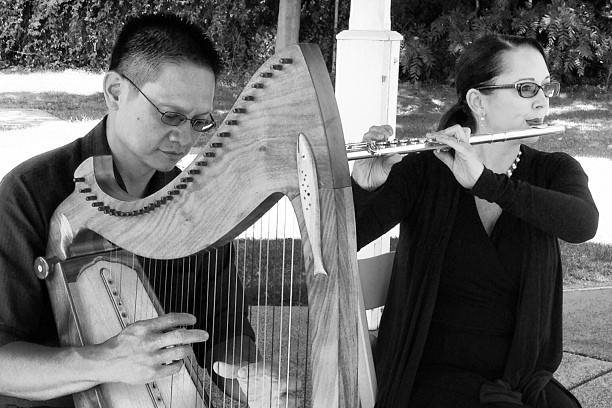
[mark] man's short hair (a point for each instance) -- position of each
(148, 41)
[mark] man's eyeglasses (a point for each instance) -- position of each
(529, 89)
(175, 118)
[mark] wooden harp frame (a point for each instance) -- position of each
(283, 136)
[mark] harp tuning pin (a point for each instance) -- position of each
(173, 193)
(85, 190)
(180, 186)
(258, 85)
(186, 179)
(41, 268)
(202, 163)
(217, 144)
(91, 198)
(169, 198)
(239, 110)
(249, 98)
(277, 67)
(194, 171)
(97, 204)
(266, 75)
(209, 154)
(78, 179)
(223, 134)
(231, 122)
(286, 61)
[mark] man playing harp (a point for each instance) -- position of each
(159, 92)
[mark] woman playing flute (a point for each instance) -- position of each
(473, 314)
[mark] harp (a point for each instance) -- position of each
(282, 138)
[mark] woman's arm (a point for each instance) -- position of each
(563, 207)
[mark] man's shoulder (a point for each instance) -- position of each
(56, 166)
(50, 165)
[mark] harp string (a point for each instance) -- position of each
(178, 284)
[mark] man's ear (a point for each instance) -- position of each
(112, 90)
(476, 102)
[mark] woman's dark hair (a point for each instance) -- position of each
(148, 41)
(477, 66)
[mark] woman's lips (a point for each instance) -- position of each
(535, 121)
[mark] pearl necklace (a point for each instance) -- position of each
(514, 164)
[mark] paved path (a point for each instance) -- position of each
(586, 368)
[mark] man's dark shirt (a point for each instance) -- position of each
(30, 194)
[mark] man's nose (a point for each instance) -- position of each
(183, 134)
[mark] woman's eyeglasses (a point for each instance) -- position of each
(176, 119)
(529, 89)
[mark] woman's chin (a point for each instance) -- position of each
(530, 140)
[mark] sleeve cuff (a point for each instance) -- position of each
(488, 185)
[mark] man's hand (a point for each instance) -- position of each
(148, 349)
(372, 173)
(262, 385)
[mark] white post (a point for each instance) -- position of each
(367, 67)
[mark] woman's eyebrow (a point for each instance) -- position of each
(531, 79)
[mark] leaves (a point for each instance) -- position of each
(574, 35)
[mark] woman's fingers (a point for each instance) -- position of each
(455, 136)
(378, 133)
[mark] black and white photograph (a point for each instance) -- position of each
(305, 204)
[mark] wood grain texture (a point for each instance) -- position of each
(253, 167)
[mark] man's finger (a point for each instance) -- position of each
(225, 370)
(182, 336)
(169, 321)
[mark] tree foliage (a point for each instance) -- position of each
(80, 33)
(576, 36)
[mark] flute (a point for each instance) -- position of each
(366, 150)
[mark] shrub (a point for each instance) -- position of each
(80, 33)
(577, 37)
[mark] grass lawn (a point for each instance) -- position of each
(585, 112)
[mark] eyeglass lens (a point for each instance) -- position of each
(530, 89)
(199, 125)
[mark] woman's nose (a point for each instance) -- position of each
(540, 101)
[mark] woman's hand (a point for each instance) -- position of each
(372, 173)
(463, 161)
